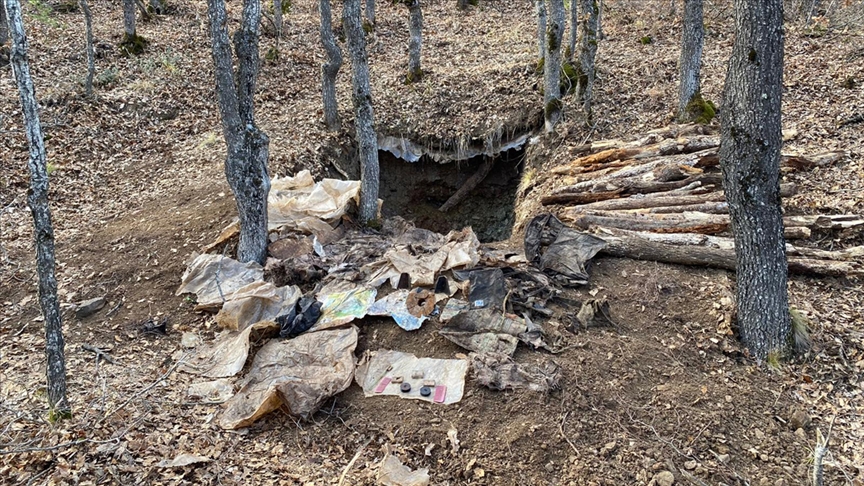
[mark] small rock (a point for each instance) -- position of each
(690, 465)
(89, 307)
(724, 458)
(759, 434)
(190, 340)
(664, 478)
(801, 434)
(799, 419)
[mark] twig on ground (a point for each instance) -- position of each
(353, 460)
(819, 454)
(100, 353)
(145, 390)
(561, 428)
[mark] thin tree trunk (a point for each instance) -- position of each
(750, 160)
(91, 56)
(277, 17)
(248, 147)
(370, 14)
(690, 62)
(4, 28)
(37, 198)
(415, 40)
(552, 106)
(129, 18)
(364, 115)
(330, 68)
(587, 54)
(540, 9)
(574, 29)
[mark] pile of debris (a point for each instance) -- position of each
(324, 276)
(661, 198)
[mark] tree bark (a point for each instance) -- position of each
(248, 147)
(587, 54)
(718, 252)
(330, 68)
(370, 13)
(129, 18)
(4, 27)
(415, 40)
(91, 55)
(750, 161)
(364, 115)
(552, 105)
(277, 17)
(37, 198)
(574, 30)
(540, 10)
(690, 62)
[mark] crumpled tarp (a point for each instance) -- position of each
(394, 305)
(499, 372)
(343, 306)
(258, 301)
(299, 373)
(594, 313)
(491, 331)
(391, 472)
(460, 249)
(376, 365)
(216, 391)
(301, 203)
(567, 250)
(200, 279)
(227, 354)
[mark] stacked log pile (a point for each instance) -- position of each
(661, 198)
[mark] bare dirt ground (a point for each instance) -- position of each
(137, 188)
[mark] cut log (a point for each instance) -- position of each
(788, 162)
(826, 221)
(636, 202)
(701, 250)
(639, 154)
(469, 185)
(640, 192)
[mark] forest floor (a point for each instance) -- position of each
(138, 187)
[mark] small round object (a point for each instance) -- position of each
(425, 391)
(405, 387)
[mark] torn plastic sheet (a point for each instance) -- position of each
(226, 355)
(377, 366)
(407, 150)
(394, 305)
(339, 308)
(258, 301)
(567, 250)
(391, 472)
(200, 279)
(491, 331)
(301, 203)
(453, 308)
(460, 250)
(499, 372)
(299, 373)
(594, 313)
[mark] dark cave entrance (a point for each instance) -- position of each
(416, 191)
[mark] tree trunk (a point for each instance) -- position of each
(4, 28)
(91, 55)
(129, 19)
(415, 40)
(277, 18)
(587, 54)
(540, 9)
(750, 160)
(330, 68)
(37, 198)
(574, 29)
(370, 14)
(690, 62)
(248, 147)
(364, 116)
(552, 106)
